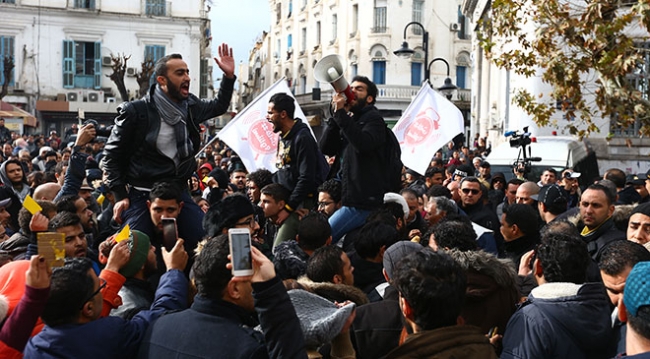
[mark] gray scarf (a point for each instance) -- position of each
(174, 115)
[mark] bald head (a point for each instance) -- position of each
(525, 191)
(47, 191)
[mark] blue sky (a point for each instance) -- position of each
(238, 23)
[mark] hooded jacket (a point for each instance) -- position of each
(560, 320)
(20, 195)
(299, 164)
(458, 341)
(358, 143)
(491, 296)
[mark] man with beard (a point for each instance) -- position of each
(156, 139)
(358, 142)
(77, 205)
(13, 177)
(298, 162)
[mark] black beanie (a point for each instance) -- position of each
(225, 213)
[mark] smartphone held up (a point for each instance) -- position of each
(240, 251)
(170, 233)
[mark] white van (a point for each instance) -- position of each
(556, 152)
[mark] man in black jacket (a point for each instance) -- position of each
(596, 209)
(358, 142)
(298, 161)
(221, 319)
(156, 139)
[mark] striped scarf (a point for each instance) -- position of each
(174, 115)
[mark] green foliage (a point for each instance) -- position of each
(586, 51)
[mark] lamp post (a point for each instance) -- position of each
(405, 52)
(448, 88)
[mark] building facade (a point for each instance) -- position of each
(492, 113)
(364, 33)
(62, 52)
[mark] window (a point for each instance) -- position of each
(7, 1)
(289, 42)
(279, 50)
(6, 50)
(354, 69)
(640, 81)
(290, 8)
(82, 64)
(418, 8)
(355, 18)
(416, 73)
(379, 72)
(203, 86)
(84, 4)
(153, 52)
(303, 84)
(461, 76)
(463, 21)
(278, 12)
(379, 21)
(335, 21)
(156, 7)
(303, 40)
(318, 33)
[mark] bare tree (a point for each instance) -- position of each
(8, 69)
(144, 76)
(119, 69)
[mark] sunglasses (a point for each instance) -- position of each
(468, 190)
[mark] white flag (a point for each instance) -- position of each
(251, 135)
(430, 122)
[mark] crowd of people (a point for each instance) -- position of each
(458, 262)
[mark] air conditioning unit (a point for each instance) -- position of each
(73, 97)
(93, 96)
(107, 61)
(131, 71)
(454, 26)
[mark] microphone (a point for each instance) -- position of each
(535, 159)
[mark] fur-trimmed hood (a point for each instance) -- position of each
(4, 307)
(501, 270)
(335, 292)
(620, 216)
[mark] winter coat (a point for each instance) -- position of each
(560, 320)
(109, 337)
(290, 260)
(377, 326)
(131, 155)
(301, 166)
(459, 341)
(601, 238)
(491, 296)
(216, 328)
(358, 143)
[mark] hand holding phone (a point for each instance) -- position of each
(170, 233)
(240, 251)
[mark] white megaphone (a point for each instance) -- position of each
(330, 69)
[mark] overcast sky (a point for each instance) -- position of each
(238, 23)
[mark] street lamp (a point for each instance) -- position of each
(405, 52)
(448, 88)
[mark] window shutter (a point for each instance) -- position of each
(68, 64)
(97, 76)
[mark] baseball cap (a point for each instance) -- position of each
(635, 180)
(570, 174)
(637, 288)
(548, 194)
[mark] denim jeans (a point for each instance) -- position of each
(346, 219)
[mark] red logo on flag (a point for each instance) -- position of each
(425, 123)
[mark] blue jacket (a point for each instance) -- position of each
(555, 323)
(109, 337)
(220, 329)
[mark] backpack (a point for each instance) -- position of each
(394, 165)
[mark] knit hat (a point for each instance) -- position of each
(320, 319)
(225, 213)
(397, 198)
(642, 208)
(637, 288)
(220, 176)
(396, 252)
(139, 245)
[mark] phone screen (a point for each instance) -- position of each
(241, 251)
(170, 235)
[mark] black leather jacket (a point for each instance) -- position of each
(131, 156)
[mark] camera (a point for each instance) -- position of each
(519, 140)
(101, 131)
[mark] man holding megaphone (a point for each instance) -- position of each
(356, 135)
